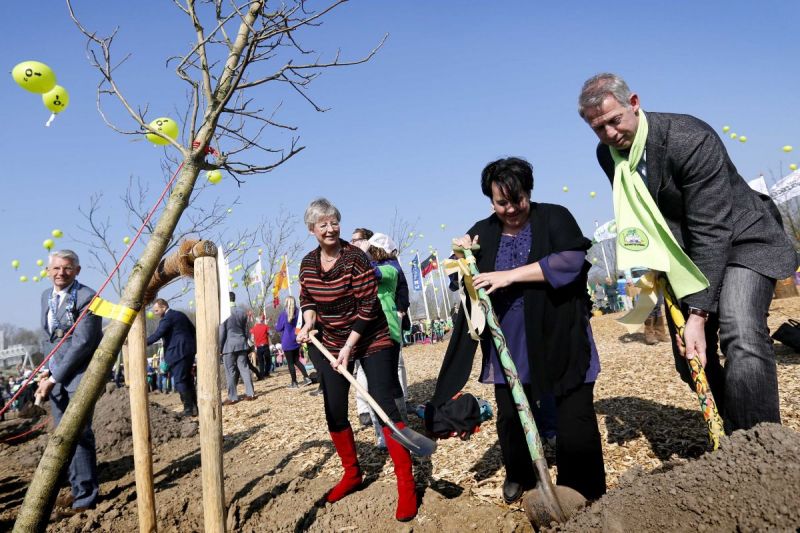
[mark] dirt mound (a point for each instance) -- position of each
(749, 484)
(112, 424)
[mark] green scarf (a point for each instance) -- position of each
(643, 238)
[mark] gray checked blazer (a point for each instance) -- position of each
(711, 210)
(233, 332)
(70, 361)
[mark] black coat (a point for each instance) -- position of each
(711, 210)
(556, 320)
(178, 334)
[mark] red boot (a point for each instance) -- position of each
(351, 480)
(406, 489)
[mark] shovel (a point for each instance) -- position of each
(414, 442)
(546, 502)
(708, 406)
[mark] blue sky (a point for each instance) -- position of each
(456, 85)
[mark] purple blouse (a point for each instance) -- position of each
(559, 269)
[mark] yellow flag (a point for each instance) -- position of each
(281, 279)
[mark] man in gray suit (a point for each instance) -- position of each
(233, 335)
(732, 233)
(61, 307)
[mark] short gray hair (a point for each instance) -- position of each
(69, 255)
(319, 208)
(598, 87)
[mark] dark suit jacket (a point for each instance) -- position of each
(711, 210)
(70, 361)
(179, 336)
(233, 333)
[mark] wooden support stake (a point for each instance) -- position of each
(210, 409)
(140, 424)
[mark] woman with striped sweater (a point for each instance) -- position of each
(338, 297)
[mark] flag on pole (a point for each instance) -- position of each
(254, 273)
(416, 276)
(223, 272)
(280, 282)
(429, 265)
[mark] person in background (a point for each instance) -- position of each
(178, 335)
(259, 333)
(287, 322)
(234, 349)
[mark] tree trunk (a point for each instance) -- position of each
(39, 499)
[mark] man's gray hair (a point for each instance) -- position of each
(319, 208)
(598, 87)
(69, 255)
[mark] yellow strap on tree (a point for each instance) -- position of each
(106, 309)
(648, 298)
(477, 320)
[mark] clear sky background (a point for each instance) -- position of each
(457, 84)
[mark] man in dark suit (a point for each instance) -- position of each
(733, 234)
(234, 349)
(180, 347)
(61, 307)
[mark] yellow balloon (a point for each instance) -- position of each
(48, 244)
(43, 273)
(57, 233)
(565, 188)
(23, 279)
(35, 278)
(788, 148)
(592, 194)
(726, 129)
(126, 240)
(15, 264)
(34, 76)
(793, 166)
(742, 139)
(733, 136)
(214, 176)
(164, 125)
(56, 99)
(150, 314)
(39, 263)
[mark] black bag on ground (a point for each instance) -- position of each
(789, 334)
(459, 416)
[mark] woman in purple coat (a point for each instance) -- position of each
(287, 322)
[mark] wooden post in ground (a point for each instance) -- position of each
(209, 407)
(140, 424)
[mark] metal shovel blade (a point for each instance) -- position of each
(416, 443)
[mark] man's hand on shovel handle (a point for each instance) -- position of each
(695, 336)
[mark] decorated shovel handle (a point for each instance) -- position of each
(509, 368)
(708, 406)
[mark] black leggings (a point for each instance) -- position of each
(293, 359)
(579, 453)
(381, 370)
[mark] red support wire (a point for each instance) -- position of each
(102, 287)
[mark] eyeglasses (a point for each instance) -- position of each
(325, 226)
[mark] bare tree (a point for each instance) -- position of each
(402, 231)
(103, 240)
(219, 68)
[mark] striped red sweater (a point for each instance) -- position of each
(345, 299)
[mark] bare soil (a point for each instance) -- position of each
(279, 460)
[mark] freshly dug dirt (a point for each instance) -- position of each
(112, 424)
(279, 460)
(750, 484)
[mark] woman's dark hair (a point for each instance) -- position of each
(514, 177)
(379, 254)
